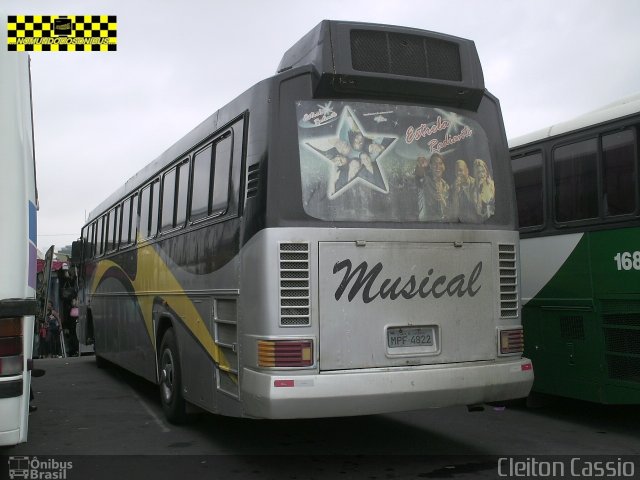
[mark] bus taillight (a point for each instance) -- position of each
(285, 353)
(10, 327)
(511, 341)
(10, 346)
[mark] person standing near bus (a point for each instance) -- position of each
(43, 346)
(53, 330)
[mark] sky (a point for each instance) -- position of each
(100, 117)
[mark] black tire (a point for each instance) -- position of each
(171, 379)
(101, 362)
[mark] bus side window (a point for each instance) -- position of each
(126, 223)
(92, 240)
(135, 218)
(155, 207)
(107, 230)
(527, 172)
(112, 230)
(182, 194)
(576, 181)
(118, 226)
(84, 235)
(168, 200)
(200, 194)
(99, 244)
(87, 237)
(618, 170)
(145, 197)
(221, 178)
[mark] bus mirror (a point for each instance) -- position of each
(76, 252)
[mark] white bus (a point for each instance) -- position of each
(338, 240)
(18, 208)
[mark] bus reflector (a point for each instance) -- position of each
(511, 341)
(285, 353)
(283, 383)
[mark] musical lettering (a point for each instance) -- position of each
(362, 280)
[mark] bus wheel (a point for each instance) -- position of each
(101, 362)
(171, 380)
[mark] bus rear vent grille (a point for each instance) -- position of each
(253, 177)
(623, 341)
(621, 312)
(624, 368)
(508, 281)
(402, 54)
(572, 328)
(295, 304)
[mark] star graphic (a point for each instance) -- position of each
(326, 108)
(355, 155)
(456, 122)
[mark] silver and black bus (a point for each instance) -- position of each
(338, 240)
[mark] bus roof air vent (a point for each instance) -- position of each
(405, 54)
(388, 61)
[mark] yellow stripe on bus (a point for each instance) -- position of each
(149, 262)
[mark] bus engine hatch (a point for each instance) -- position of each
(391, 304)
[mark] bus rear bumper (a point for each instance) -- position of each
(10, 420)
(366, 392)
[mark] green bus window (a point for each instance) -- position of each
(618, 170)
(527, 172)
(576, 181)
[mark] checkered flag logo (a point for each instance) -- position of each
(62, 33)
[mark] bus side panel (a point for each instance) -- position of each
(18, 206)
(560, 323)
(122, 309)
(197, 367)
(615, 257)
(193, 288)
(581, 336)
(121, 299)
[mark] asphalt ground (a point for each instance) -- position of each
(109, 424)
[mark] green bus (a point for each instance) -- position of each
(577, 194)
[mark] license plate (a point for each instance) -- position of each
(407, 337)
